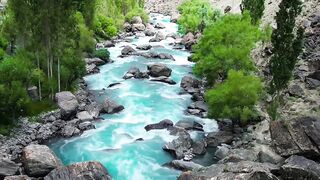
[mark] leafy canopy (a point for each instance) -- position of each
(234, 98)
(226, 45)
(255, 8)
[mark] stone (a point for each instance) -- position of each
(175, 17)
(221, 152)
(127, 27)
(172, 35)
(184, 165)
(69, 131)
(113, 84)
(300, 168)
(108, 44)
(312, 83)
(157, 70)
(189, 125)
(160, 36)
(164, 124)
(84, 116)
(127, 50)
(179, 147)
(164, 80)
(298, 136)
(215, 139)
(80, 171)
(245, 170)
(238, 155)
(86, 126)
(94, 109)
(111, 107)
(202, 106)
(159, 26)
(188, 40)
(68, 104)
(136, 20)
(189, 82)
(8, 167)
(150, 30)
(135, 72)
(296, 90)
(39, 160)
(19, 177)
(144, 47)
(95, 61)
(227, 9)
(33, 93)
(138, 27)
(268, 156)
(199, 147)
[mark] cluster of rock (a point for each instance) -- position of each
(129, 51)
(158, 72)
(38, 161)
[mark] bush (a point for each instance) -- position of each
(196, 15)
(86, 42)
(103, 54)
(235, 98)
(137, 12)
(226, 45)
(104, 27)
(255, 7)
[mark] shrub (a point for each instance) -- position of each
(104, 27)
(103, 54)
(226, 45)
(137, 12)
(255, 7)
(235, 98)
(86, 42)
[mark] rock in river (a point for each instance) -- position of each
(80, 171)
(111, 107)
(68, 104)
(160, 125)
(157, 70)
(164, 80)
(127, 50)
(39, 160)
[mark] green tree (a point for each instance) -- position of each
(196, 15)
(287, 44)
(255, 7)
(235, 98)
(226, 45)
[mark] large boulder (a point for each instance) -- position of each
(180, 147)
(189, 40)
(69, 131)
(244, 170)
(300, 168)
(80, 171)
(189, 125)
(127, 50)
(138, 27)
(95, 61)
(157, 70)
(184, 165)
(150, 31)
(111, 107)
(159, 26)
(136, 20)
(68, 104)
(135, 72)
(189, 82)
(84, 116)
(8, 167)
(164, 124)
(164, 80)
(215, 139)
(298, 136)
(39, 160)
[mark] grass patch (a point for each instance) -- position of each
(38, 107)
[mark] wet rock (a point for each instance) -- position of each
(33, 93)
(164, 124)
(69, 131)
(144, 47)
(312, 83)
(150, 30)
(244, 170)
(238, 155)
(8, 167)
(113, 84)
(86, 126)
(296, 136)
(296, 90)
(180, 147)
(159, 37)
(135, 72)
(95, 61)
(183, 165)
(157, 70)
(159, 26)
(138, 27)
(92, 69)
(20, 177)
(189, 82)
(80, 171)
(215, 139)
(199, 105)
(39, 160)
(222, 152)
(94, 109)
(68, 104)
(108, 44)
(84, 116)
(189, 40)
(300, 168)
(189, 125)
(111, 107)
(199, 147)
(127, 27)
(268, 156)
(164, 80)
(127, 50)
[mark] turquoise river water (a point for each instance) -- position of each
(113, 141)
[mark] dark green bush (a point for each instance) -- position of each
(103, 54)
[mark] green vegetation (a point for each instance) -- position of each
(255, 7)
(226, 45)
(287, 44)
(104, 27)
(235, 98)
(196, 15)
(103, 54)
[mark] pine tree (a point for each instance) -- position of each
(287, 44)
(255, 7)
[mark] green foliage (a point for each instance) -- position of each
(235, 98)
(287, 44)
(103, 54)
(255, 7)
(86, 42)
(272, 109)
(226, 45)
(196, 15)
(137, 12)
(104, 27)
(35, 108)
